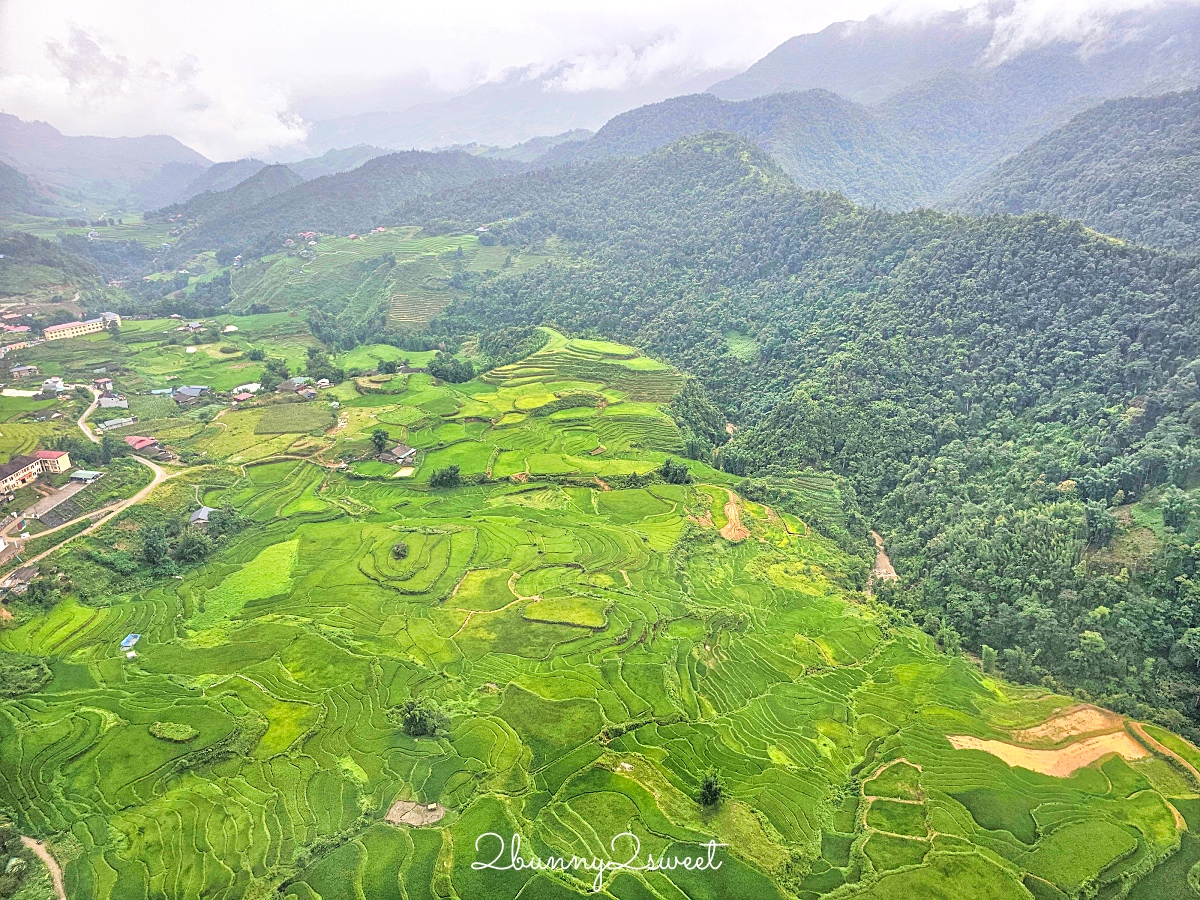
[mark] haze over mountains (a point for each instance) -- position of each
(892, 113)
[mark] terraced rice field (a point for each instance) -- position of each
(597, 646)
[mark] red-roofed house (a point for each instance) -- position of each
(138, 442)
(53, 461)
(243, 396)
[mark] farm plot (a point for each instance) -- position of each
(591, 646)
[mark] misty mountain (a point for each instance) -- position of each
(823, 141)
(18, 194)
(948, 116)
(1130, 167)
(99, 169)
(267, 182)
(534, 148)
(1142, 51)
(865, 61)
(522, 105)
(348, 201)
(333, 161)
(218, 177)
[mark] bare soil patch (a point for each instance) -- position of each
(416, 815)
(883, 568)
(1069, 723)
(734, 530)
(1061, 762)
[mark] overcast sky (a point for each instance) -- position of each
(238, 78)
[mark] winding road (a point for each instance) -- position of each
(108, 513)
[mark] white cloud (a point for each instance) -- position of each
(232, 78)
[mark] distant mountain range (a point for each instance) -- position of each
(257, 214)
(82, 169)
(1130, 168)
(522, 105)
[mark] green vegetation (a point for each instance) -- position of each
(972, 387)
(178, 732)
(564, 646)
(1129, 167)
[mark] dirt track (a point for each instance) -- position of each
(734, 530)
(51, 864)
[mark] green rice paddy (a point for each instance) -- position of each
(597, 647)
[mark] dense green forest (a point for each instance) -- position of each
(995, 389)
(1130, 167)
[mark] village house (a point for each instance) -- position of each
(140, 442)
(401, 453)
(87, 476)
(54, 462)
(109, 400)
(200, 517)
(118, 423)
(189, 394)
(24, 371)
(53, 385)
(78, 329)
(22, 470)
(104, 383)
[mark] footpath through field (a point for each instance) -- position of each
(51, 863)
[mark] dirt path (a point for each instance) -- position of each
(1164, 750)
(734, 530)
(883, 569)
(51, 863)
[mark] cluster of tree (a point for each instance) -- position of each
(450, 368)
(172, 541)
(115, 259)
(275, 370)
(21, 674)
(977, 383)
(319, 365)
(1130, 167)
(423, 717)
(505, 346)
(446, 477)
(89, 454)
(673, 472)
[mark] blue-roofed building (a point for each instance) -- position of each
(130, 640)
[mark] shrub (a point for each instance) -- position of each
(422, 717)
(447, 477)
(400, 550)
(177, 732)
(712, 788)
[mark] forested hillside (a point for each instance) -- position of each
(821, 140)
(17, 193)
(267, 182)
(1130, 167)
(994, 388)
(348, 201)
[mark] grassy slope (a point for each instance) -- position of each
(597, 649)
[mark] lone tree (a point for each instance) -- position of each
(379, 440)
(447, 477)
(399, 550)
(422, 717)
(712, 789)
